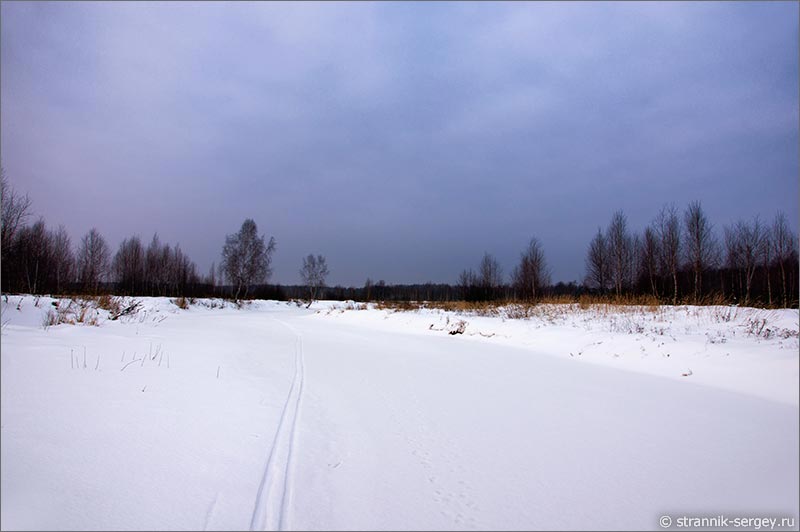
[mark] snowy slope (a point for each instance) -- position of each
(745, 350)
(274, 416)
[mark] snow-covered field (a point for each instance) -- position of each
(274, 416)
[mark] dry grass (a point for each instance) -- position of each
(86, 310)
(71, 311)
(658, 322)
(526, 309)
(399, 305)
(106, 302)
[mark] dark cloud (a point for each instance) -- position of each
(399, 139)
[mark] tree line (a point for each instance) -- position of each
(678, 257)
(39, 260)
(530, 278)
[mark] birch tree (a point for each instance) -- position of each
(620, 252)
(597, 263)
(93, 260)
(669, 233)
(783, 249)
(700, 245)
(531, 275)
(246, 258)
(313, 274)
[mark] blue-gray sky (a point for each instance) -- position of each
(401, 140)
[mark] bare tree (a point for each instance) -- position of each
(93, 260)
(637, 243)
(164, 259)
(669, 233)
(63, 258)
(783, 245)
(129, 265)
(468, 284)
(368, 289)
(766, 257)
(14, 209)
(531, 275)
(246, 258)
(744, 244)
(597, 263)
(490, 276)
(313, 274)
(649, 252)
(182, 272)
(154, 273)
(33, 248)
(733, 259)
(211, 279)
(751, 241)
(158, 270)
(620, 251)
(700, 245)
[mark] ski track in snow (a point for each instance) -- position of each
(210, 513)
(274, 492)
(505, 433)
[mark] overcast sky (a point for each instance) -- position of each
(401, 140)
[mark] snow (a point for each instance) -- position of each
(747, 350)
(273, 416)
